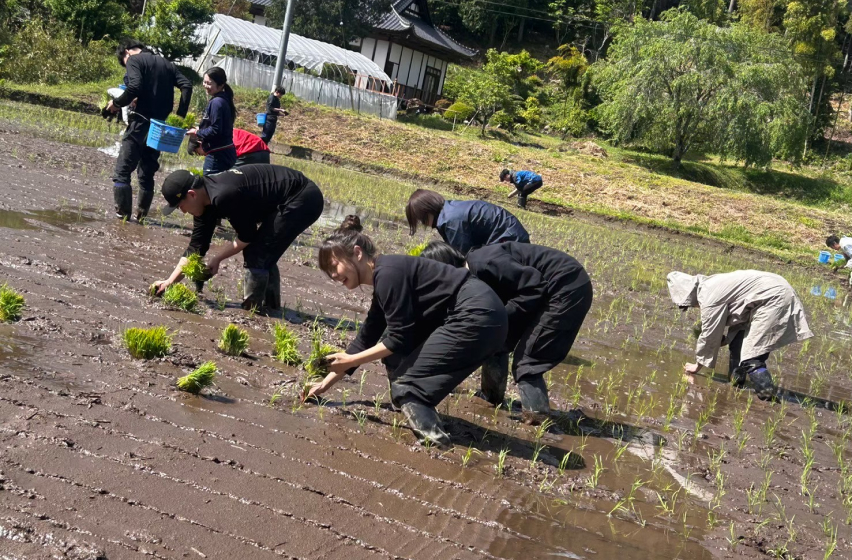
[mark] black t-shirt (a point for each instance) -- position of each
(272, 103)
(411, 297)
(245, 196)
(152, 80)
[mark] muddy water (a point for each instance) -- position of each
(102, 456)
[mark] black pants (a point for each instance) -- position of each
(269, 128)
(135, 155)
(279, 229)
(475, 328)
(528, 189)
(735, 348)
(550, 336)
(254, 157)
(219, 161)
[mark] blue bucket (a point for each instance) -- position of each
(165, 138)
(824, 257)
(816, 290)
(261, 119)
(830, 293)
(839, 257)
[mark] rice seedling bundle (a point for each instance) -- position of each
(317, 365)
(286, 349)
(198, 379)
(417, 249)
(147, 343)
(234, 340)
(178, 295)
(195, 269)
(11, 303)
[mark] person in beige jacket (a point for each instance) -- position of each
(761, 312)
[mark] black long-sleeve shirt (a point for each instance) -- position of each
(244, 196)
(525, 277)
(152, 80)
(411, 297)
(216, 129)
(273, 103)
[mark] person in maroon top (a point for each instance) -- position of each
(250, 148)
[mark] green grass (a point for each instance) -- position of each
(11, 304)
(234, 340)
(146, 344)
(195, 269)
(286, 345)
(198, 379)
(181, 297)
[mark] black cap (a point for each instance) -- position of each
(175, 188)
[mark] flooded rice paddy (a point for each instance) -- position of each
(103, 458)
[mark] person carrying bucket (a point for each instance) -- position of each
(273, 109)
(525, 182)
(267, 205)
(547, 295)
(464, 224)
(151, 81)
(216, 130)
(761, 312)
(439, 321)
(250, 148)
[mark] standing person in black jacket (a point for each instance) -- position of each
(547, 295)
(441, 325)
(273, 109)
(283, 201)
(151, 81)
(216, 130)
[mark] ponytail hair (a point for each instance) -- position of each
(352, 223)
(341, 244)
(218, 75)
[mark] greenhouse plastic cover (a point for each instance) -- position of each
(309, 53)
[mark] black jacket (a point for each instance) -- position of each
(152, 80)
(245, 196)
(526, 277)
(216, 129)
(411, 298)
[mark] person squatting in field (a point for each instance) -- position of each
(151, 81)
(547, 295)
(432, 325)
(250, 148)
(281, 200)
(525, 183)
(464, 224)
(761, 311)
(216, 129)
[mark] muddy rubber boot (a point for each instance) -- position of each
(761, 379)
(254, 288)
(534, 399)
(123, 197)
(272, 300)
(493, 374)
(143, 205)
(738, 377)
(425, 423)
(522, 201)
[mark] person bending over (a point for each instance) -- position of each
(525, 183)
(432, 324)
(250, 148)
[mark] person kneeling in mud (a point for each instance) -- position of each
(439, 325)
(761, 311)
(283, 201)
(547, 294)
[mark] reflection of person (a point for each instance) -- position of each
(761, 312)
(281, 200)
(250, 148)
(216, 129)
(525, 182)
(151, 81)
(547, 294)
(441, 325)
(464, 224)
(273, 110)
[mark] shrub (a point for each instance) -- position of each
(50, 54)
(532, 115)
(458, 111)
(11, 303)
(443, 104)
(178, 295)
(234, 340)
(503, 120)
(286, 346)
(147, 343)
(198, 379)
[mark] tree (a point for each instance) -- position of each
(91, 20)
(338, 22)
(514, 70)
(682, 83)
(170, 30)
(481, 90)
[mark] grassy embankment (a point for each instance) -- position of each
(784, 211)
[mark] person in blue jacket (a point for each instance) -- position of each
(216, 130)
(525, 182)
(464, 224)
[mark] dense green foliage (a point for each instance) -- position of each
(171, 27)
(334, 21)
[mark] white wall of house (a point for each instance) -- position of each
(260, 20)
(409, 65)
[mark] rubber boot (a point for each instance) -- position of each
(123, 196)
(254, 288)
(761, 379)
(425, 423)
(534, 399)
(272, 300)
(493, 374)
(143, 205)
(738, 377)
(522, 201)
